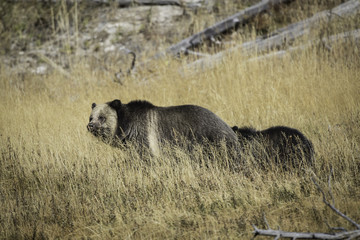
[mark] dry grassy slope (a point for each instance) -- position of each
(58, 181)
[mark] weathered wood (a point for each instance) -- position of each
(332, 205)
(352, 35)
(299, 235)
(220, 27)
(282, 37)
(277, 234)
(209, 62)
(291, 32)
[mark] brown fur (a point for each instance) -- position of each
(152, 126)
(286, 146)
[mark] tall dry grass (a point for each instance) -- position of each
(57, 181)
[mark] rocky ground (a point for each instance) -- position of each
(38, 36)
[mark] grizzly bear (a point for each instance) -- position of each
(151, 126)
(282, 145)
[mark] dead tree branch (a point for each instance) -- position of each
(227, 24)
(277, 234)
(281, 37)
(119, 76)
(332, 206)
(342, 37)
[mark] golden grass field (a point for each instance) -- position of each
(58, 181)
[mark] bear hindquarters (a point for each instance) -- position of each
(288, 147)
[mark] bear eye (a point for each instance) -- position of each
(90, 119)
(102, 119)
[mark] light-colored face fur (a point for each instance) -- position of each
(103, 121)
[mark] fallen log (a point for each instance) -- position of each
(211, 61)
(282, 37)
(291, 32)
(225, 25)
(342, 37)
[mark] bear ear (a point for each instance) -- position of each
(116, 104)
(93, 105)
(235, 128)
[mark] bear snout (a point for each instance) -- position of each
(91, 127)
